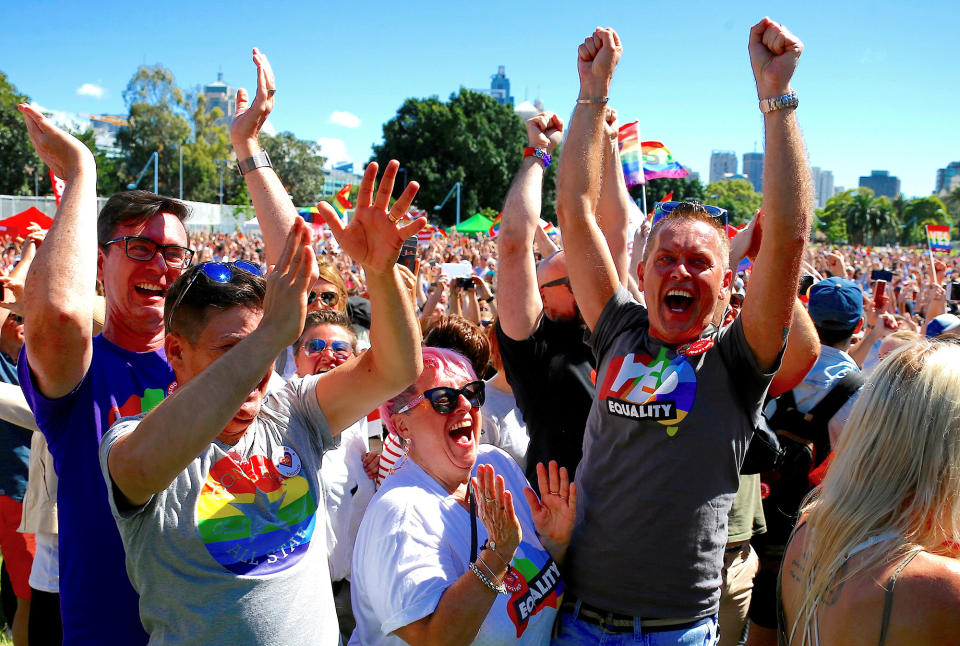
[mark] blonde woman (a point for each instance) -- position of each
(874, 559)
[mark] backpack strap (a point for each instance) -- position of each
(837, 396)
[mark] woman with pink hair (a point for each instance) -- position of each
(445, 547)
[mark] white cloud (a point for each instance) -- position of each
(345, 119)
(268, 129)
(91, 89)
(335, 150)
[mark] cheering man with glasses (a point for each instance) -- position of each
(676, 401)
(217, 490)
(78, 385)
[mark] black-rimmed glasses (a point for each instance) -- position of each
(559, 281)
(144, 249)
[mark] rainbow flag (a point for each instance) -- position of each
(658, 162)
(495, 227)
(628, 139)
(342, 198)
(938, 237)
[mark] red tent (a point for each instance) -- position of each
(16, 225)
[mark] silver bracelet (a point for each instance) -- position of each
(595, 99)
(501, 589)
(781, 102)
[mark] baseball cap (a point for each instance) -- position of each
(835, 303)
(941, 324)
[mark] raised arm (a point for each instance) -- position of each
(593, 273)
(174, 433)
(787, 204)
(373, 238)
(615, 205)
(275, 211)
(517, 293)
(61, 282)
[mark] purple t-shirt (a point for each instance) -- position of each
(98, 604)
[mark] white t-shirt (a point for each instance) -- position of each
(502, 424)
(414, 542)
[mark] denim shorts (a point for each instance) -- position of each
(575, 632)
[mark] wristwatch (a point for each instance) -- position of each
(539, 153)
(781, 102)
(259, 160)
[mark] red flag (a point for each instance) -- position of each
(342, 197)
(58, 185)
(667, 197)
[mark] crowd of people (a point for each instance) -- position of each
(670, 433)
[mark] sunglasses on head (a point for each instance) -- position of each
(316, 346)
(329, 299)
(666, 208)
(559, 281)
(219, 272)
(144, 249)
(444, 399)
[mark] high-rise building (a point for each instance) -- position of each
(753, 169)
(822, 186)
(220, 95)
(500, 87)
(882, 183)
(946, 178)
(722, 162)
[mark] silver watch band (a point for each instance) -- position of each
(259, 160)
(789, 100)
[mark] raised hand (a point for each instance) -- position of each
(610, 126)
(249, 118)
(545, 130)
(285, 302)
(597, 58)
(65, 155)
(495, 509)
(553, 515)
(774, 53)
(374, 235)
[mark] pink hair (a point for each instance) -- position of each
(437, 363)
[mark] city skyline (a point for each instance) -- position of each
(339, 86)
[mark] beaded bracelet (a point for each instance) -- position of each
(501, 589)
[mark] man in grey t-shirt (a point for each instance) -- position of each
(676, 400)
(216, 492)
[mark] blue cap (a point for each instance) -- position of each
(941, 324)
(835, 304)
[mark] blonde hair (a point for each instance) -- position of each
(896, 469)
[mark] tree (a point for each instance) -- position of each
(20, 162)
(111, 175)
(298, 164)
(737, 197)
(209, 146)
(471, 139)
(158, 124)
(920, 212)
(833, 224)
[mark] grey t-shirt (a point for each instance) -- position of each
(234, 550)
(661, 454)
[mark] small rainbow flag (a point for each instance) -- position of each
(548, 227)
(342, 197)
(495, 227)
(629, 140)
(938, 237)
(658, 162)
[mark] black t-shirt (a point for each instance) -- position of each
(552, 377)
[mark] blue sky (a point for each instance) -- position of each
(877, 82)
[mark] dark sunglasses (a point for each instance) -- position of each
(144, 249)
(444, 399)
(559, 281)
(339, 348)
(17, 319)
(219, 272)
(666, 208)
(329, 299)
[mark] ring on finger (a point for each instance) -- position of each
(393, 218)
(554, 493)
(271, 92)
(489, 499)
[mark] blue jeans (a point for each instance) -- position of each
(575, 632)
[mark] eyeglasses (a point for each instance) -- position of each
(16, 318)
(340, 349)
(559, 281)
(219, 272)
(665, 208)
(330, 299)
(144, 249)
(444, 399)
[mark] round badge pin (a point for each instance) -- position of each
(696, 348)
(288, 462)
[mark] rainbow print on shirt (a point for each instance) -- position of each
(531, 589)
(638, 386)
(136, 404)
(253, 519)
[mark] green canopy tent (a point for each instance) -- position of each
(478, 223)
